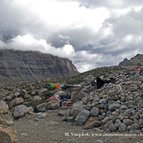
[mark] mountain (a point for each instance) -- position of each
(29, 65)
(135, 61)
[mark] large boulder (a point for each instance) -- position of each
(20, 111)
(8, 135)
(76, 108)
(82, 117)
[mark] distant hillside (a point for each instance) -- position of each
(105, 71)
(29, 65)
(135, 61)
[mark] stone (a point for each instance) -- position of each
(20, 111)
(91, 123)
(140, 121)
(41, 115)
(36, 100)
(17, 94)
(94, 112)
(16, 101)
(24, 134)
(3, 107)
(112, 127)
(113, 106)
(105, 120)
(89, 79)
(76, 108)
(9, 98)
(8, 135)
(77, 96)
(124, 107)
(122, 127)
(64, 112)
(103, 101)
(117, 123)
(41, 107)
(70, 119)
(43, 92)
(82, 117)
(135, 126)
(52, 105)
(128, 122)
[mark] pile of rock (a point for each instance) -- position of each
(115, 107)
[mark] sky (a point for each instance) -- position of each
(91, 33)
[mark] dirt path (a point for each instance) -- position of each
(52, 130)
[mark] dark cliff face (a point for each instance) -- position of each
(29, 65)
(135, 61)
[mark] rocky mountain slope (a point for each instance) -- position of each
(135, 61)
(28, 65)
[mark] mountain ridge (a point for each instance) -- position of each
(33, 65)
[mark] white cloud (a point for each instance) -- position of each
(90, 33)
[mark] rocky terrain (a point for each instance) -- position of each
(135, 61)
(112, 113)
(28, 65)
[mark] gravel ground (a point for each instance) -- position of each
(52, 129)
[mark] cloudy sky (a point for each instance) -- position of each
(91, 33)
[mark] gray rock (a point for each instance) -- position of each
(36, 100)
(82, 117)
(103, 101)
(76, 108)
(105, 120)
(43, 92)
(20, 111)
(124, 107)
(89, 79)
(76, 96)
(117, 123)
(128, 122)
(41, 115)
(135, 126)
(52, 105)
(9, 98)
(94, 112)
(112, 127)
(63, 112)
(41, 107)
(113, 106)
(122, 127)
(140, 121)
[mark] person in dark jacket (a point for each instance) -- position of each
(100, 82)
